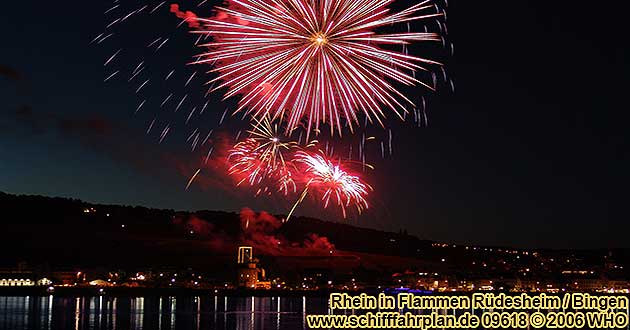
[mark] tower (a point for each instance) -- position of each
(249, 274)
(244, 255)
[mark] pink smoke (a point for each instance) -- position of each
(260, 231)
(257, 229)
(188, 16)
(218, 240)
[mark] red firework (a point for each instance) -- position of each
(323, 175)
(260, 159)
(314, 61)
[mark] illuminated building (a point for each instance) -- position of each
(21, 278)
(244, 254)
(16, 279)
(249, 274)
(68, 277)
(99, 282)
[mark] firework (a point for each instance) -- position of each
(260, 158)
(332, 181)
(315, 61)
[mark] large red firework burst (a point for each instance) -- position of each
(314, 61)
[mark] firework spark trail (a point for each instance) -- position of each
(161, 44)
(223, 116)
(208, 155)
(194, 143)
(140, 106)
(111, 57)
(166, 99)
(260, 158)
(150, 126)
(164, 133)
(158, 6)
(135, 74)
(112, 8)
(190, 114)
(315, 61)
(142, 85)
(111, 76)
(112, 23)
(179, 105)
(205, 105)
(323, 175)
(190, 79)
(169, 74)
(192, 134)
(104, 38)
(192, 179)
(154, 42)
(207, 137)
(97, 37)
(140, 65)
(144, 73)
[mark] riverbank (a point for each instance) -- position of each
(143, 291)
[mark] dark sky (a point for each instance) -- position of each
(531, 149)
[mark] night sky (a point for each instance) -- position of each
(531, 150)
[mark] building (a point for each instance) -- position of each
(249, 275)
(17, 279)
(21, 277)
(69, 277)
(245, 254)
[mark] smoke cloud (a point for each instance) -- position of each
(188, 16)
(260, 230)
(10, 73)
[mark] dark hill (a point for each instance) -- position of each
(69, 231)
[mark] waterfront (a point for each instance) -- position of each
(154, 312)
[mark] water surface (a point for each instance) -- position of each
(185, 313)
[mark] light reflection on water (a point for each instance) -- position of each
(168, 312)
(185, 313)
